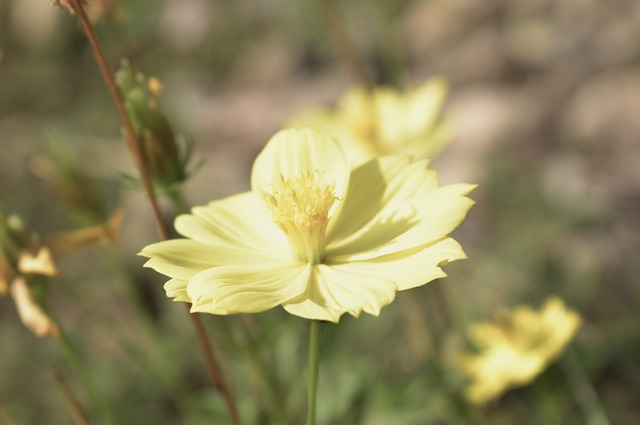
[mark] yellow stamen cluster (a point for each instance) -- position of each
(300, 206)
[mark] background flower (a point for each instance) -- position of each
(384, 121)
(516, 347)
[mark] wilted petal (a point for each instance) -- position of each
(68, 242)
(41, 263)
(30, 312)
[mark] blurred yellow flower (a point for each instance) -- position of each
(314, 236)
(516, 347)
(385, 121)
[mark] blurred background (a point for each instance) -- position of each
(546, 101)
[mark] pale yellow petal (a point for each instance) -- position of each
(307, 309)
(350, 291)
(390, 118)
(183, 258)
(425, 106)
(248, 288)
(410, 268)
(376, 189)
(238, 222)
(292, 152)
(177, 289)
(410, 214)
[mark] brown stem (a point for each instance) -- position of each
(346, 48)
(134, 146)
(77, 412)
(130, 134)
(214, 367)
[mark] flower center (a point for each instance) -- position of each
(300, 206)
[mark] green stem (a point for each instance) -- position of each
(583, 391)
(314, 357)
(73, 357)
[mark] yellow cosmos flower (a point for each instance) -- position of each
(517, 347)
(385, 121)
(314, 236)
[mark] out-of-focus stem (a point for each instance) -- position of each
(346, 48)
(130, 134)
(75, 408)
(583, 391)
(134, 146)
(214, 367)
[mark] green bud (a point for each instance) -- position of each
(166, 156)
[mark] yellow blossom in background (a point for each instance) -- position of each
(516, 347)
(386, 122)
(314, 236)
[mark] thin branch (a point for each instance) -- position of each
(77, 412)
(130, 134)
(134, 146)
(214, 366)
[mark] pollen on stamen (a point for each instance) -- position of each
(300, 207)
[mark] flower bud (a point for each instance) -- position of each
(165, 155)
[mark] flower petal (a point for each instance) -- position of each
(184, 258)
(411, 210)
(348, 291)
(293, 151)
(410, 268)
(434, 216)
(375, 187)
(238, 222)
(248, 288)
(425, 105)
(177, 289)
(312, 311)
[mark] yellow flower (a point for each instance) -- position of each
(386, 122)
(314, 236)
(517, 347)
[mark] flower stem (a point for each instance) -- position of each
(583, 391)
(130, 134)
(314, 357)
(214, 367)
(75, 408)
(136, 150)
(180, 206)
